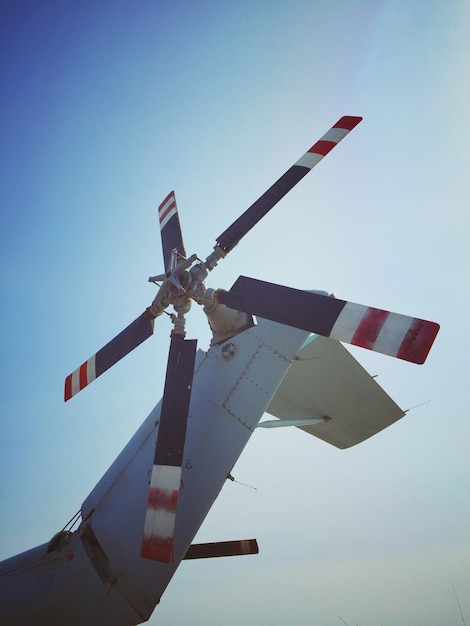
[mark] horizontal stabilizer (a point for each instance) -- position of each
(326, 382)
(222, 548)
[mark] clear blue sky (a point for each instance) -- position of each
(106, 107)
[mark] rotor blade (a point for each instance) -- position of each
(230, 237)
(401, 336)
(170, 228)
(157, 542)
(131, 337)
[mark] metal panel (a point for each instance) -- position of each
(327, 382)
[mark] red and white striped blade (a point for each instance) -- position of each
(131, 337)
(160, 518)
(230, 237)
(394, 334)
(172, 238)
(159, 526)
(400, 336)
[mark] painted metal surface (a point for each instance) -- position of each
(101, 578)
(326, 382)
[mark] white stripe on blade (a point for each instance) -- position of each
(392, 334)
(348, 322)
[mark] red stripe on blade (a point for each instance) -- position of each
(322, 147)
(163, 499)
(68, 388)
(83, 376)
(162, 204)
(169, 209)
(157, 549)
(369, 328)
(348, 122)
(418, 341)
